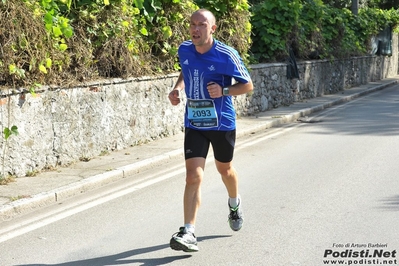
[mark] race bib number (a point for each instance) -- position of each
(202, 113)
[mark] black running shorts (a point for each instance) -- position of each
(196, 144)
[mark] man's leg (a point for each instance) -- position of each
(196, 147)
(192, 192)
(229, 177)
(230, 180)
(185, 239)
(223, 143)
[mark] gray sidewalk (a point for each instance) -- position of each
(30, 193)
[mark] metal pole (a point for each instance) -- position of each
(355, 6)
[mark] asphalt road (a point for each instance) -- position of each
(315, 191)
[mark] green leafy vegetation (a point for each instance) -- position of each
(314, 29)
(64, 42)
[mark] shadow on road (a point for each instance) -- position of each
(390, 203)
(124, 258)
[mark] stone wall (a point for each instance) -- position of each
(59, 126)
(316, 78)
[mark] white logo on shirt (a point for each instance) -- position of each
(185, 62)
(211, 68)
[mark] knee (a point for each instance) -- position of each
(193, 178)
(226, 171)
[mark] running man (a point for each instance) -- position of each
(208, 68)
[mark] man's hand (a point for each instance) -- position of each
(214, 89)
(174, 97)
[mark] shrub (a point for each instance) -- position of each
(314, 30)
(65, 42)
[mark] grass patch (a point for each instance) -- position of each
(6, 180)
(19, 197)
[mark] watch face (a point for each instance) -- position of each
(225, 91)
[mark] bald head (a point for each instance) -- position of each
(207, 14)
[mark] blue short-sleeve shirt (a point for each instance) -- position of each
(220, 64)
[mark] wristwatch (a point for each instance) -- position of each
(226, 91)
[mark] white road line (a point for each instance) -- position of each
(17, 229)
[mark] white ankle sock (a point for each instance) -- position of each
(190, 228)
(234, 202)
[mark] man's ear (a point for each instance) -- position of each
(213, 29)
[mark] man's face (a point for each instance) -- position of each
(201, 29)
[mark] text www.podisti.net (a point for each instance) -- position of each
(360, 257)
